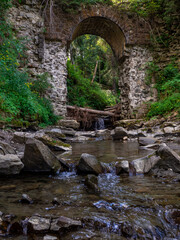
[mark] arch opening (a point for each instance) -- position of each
(92, 73)
(104, 28)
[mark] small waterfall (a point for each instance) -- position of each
(99, 124)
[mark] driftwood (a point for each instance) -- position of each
(93, 111)
(86, 116)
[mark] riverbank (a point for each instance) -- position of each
(92, 197)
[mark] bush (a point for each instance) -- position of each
(168, 86)
(83, 93)
(165, 106)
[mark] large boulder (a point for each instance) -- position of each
(168, 129)
(104, 134)
(122, 167)
(88, 164)
(69, 132)
(68, 123)
(7, 149)
(39, 158)
(91, 181)
(119, 133)
(10, 164)
(143, 141)
(169, 159)
(145, 164)
(21, 137)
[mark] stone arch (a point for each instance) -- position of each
(128, 37)
(135, 30)
(106, 29)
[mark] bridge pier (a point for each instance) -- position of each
(54, 62)
(132, 83)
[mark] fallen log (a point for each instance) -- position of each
(98, 112)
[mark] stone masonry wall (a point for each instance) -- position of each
(134, 90)
(54, 62)
(42, 55)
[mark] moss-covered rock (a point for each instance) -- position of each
(55, 145)
(129, 123)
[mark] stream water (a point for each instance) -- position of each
(146, 205)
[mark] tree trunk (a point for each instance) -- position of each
(95, 71)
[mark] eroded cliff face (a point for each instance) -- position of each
(46, 54)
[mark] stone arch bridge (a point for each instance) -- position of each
(127, 35)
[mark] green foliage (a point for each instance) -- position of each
(41, 84)
(168, 86)
(83, 93)
(17, 100)
(165, 106)
(146, 8)
(166, 10)
(87, 51)
(4, 5)
(151, 71)
(75, 5)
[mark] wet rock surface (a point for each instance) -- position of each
(144, 141)
(26, 199)
(10, 164)
(39, 224)
(68, 123)
(56, 145)
(169, 158)
(119, 133)
(100, 205)
(6, 148)
(122, 167)
(145, 164)
(38, 157)
(49, 237)
(89, 164)
(91, 181)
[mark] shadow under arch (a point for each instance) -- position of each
(104, 28)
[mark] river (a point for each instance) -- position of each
(125, 204)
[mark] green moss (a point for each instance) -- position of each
(60, 143)
(53, 143)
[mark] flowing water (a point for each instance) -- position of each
(99, 124)
(124, 205)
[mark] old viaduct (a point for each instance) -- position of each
(50, 38)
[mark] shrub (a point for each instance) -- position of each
(17, 99)
(83, 93)
(168, 86)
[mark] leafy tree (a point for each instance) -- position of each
(89, 52)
